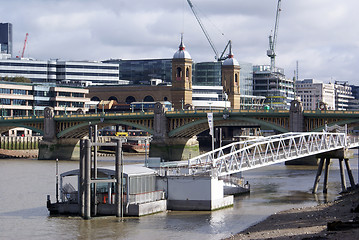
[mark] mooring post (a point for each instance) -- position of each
(57, 180)
(317, 177)
(326, 175)
(87, 184)
(81, 178)
(350, 175)
(342, 175)
(118, 201)
(94, 197)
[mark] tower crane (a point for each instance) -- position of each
(273, 39)
(220, 58)
(23, 49)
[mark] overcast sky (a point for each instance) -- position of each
(322, 35)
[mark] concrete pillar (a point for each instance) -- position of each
(296, 117)
(51, 147)
(82, 179)
(326, 175)
(87, 180)
(119, 178)
(350, 175)
(319, 173)
(342, 176)
(170, 149)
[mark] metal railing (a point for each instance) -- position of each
(146, 197)
(246, 155)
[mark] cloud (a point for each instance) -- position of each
(320, 34)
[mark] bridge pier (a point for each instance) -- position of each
(170, 149)
(174, 149)
(63, 149)
(52, 147)
(342, 155)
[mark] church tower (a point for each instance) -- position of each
(181, 78)
(230, 79)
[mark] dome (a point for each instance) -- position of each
(230, 61)
(182, 53)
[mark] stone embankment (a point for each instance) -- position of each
(19, 147)
(334, 220)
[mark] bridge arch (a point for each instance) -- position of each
(5, 128)
(198, 126)
(80, 128)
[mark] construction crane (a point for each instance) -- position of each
(23, 49)
(273, 39)
(220, 58)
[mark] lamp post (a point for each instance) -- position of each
(182, 103)
(103, 108)
(225, 100)
(210, 107)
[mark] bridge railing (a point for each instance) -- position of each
(246, 155)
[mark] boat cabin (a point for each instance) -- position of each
(139, 188)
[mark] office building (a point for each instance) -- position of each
(53, 71)
(278, 90)
(325, 96)
(6, 39)
(142, 71)
(28, 99)
(343, 96)
(315, 94)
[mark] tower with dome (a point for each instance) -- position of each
(181, 78)
(231, 79)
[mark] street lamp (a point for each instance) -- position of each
(210, 108)
(225, 100)
(182, 103)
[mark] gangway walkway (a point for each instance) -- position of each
(264, 151)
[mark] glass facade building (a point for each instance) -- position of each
(142, 71)
(6, 38)
(60, 71)
(207, 74)
(278, 90)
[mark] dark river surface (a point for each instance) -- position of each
(24, 185)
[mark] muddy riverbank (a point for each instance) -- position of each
(309, 222)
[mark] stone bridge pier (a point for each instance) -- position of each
(52, 147)
(170, 149)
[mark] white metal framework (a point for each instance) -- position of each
(264, 151)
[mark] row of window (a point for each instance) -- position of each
(87, 74)
(44, 65)
(88, 67)
(40, 93)
(12, 91)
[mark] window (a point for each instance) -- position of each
(19, 92)
(5, 101)
(19, 102)
(5, 91)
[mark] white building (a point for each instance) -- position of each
(27, 99)
(209, 97)
(343, 95)
(78, 72)
(315, 94)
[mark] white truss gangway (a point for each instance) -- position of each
(264, 151)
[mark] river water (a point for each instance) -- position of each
(24, 185)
